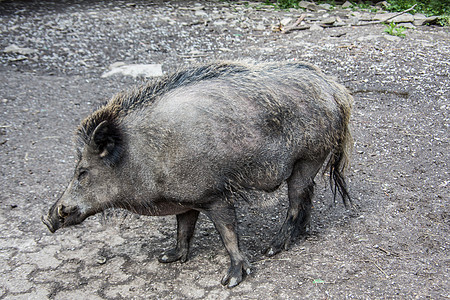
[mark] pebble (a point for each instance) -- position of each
(316, 27)
(285, 21)
(392, 38)
(346, 4)
(101, 260)
(325, 6)
(308, 5)
(19, 50)
(406, 25)
(328, 21)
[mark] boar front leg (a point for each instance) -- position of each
(224, 219)
(185, 230)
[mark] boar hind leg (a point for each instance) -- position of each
(300, 191)
(185, 230)
(224, 219)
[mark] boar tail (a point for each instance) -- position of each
(337, 179)
(339, 158)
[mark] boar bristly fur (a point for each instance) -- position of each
(187, 142)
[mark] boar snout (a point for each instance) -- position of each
(60, 216)
(51, 224)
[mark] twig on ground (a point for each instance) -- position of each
(295, 25)
(379, 268)
(381, 249)
(376, 265)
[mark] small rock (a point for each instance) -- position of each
(220, 23)
(347, 4)
(19, 58)
(369, 37)
(200, 13)
(260, 27)
(316, 27)
(405, 18)
(16, 49)
(392, 38)
(353, 20)
(338, 34)
(328, 21)
(339, 22)
(366, 17)
(423, 21)
(419, 16)
(101, 260)
(285, 21)
(198, 6)
(383, 4)
(136, 70)
(325, 6)
(406, 25)
(308, 5)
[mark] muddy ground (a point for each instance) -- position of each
(393, 244)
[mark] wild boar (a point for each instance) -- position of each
(187, 142)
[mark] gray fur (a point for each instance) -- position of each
(184, 142)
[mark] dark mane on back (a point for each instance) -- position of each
(147, 93)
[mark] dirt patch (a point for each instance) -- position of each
(393, 244)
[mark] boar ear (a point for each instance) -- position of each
(106, 142)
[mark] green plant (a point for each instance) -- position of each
(444, 20)
(286, 4)
(395, 30)
(427, 7)
(363, 6)
(283, 4)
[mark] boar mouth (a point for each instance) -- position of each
(57, 218)
(51, 224)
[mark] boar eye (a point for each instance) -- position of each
(82, 173)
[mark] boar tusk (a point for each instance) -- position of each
(60, 212)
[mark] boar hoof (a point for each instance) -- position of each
(235, 274)
(173, 255)
(275, 248)
(271, 252)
